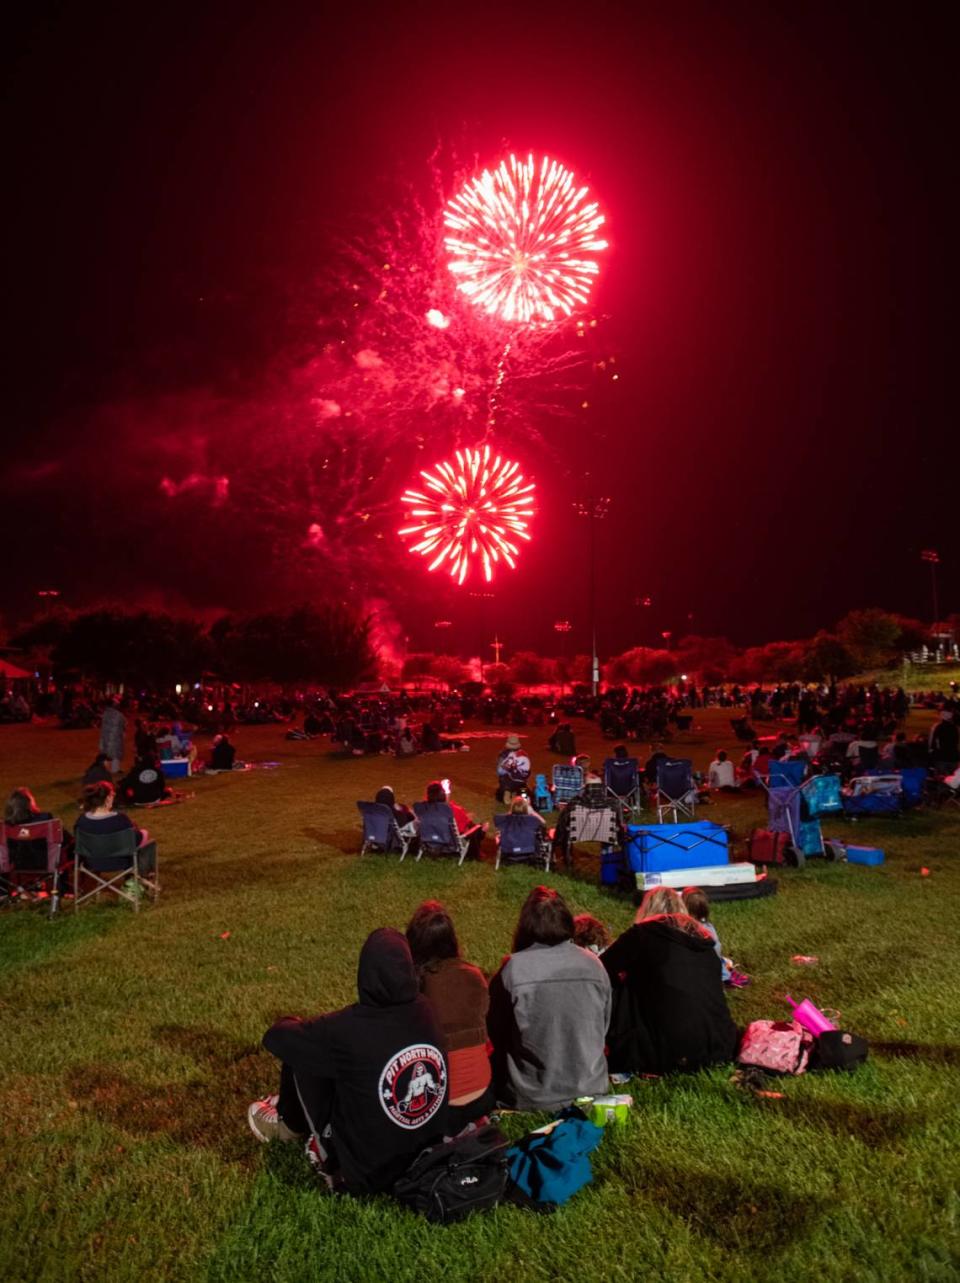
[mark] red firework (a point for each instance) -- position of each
(470, 510)
(522, 241)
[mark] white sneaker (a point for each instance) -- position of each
(266, 1123)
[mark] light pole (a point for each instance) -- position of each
(561, 628)
(594, 510)
(932, 557)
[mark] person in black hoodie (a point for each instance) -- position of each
(669, 1009)
(365, 1086)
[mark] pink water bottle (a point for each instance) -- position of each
(811, 1017)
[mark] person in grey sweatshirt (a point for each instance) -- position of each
(549, 1011)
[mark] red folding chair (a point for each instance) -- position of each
(30, 861)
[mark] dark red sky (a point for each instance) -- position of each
(780, 184)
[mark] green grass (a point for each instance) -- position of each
(130, 1050)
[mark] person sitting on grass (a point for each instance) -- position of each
(98, 771)
(590, 933)
(145, 783)
(224, 753)
(467, 826)
(697, 904)
(549, 1011)
(364, 1087)
(721, 774)
(669, 1007)
(457, 991)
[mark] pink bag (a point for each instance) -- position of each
(781, 1046)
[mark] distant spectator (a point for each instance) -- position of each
(562, 741)
(113, 726)
(513, 769)
(945, 741)
(403, 815)
(721, 773)
(145, 783)
(224, 754)
(98, 771)
(467, 826)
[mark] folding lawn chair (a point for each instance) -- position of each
(592, 824)
(115, 864)
(783, 816)
(30, 861)
(567, 783)
(676, 792)
(621, 776)
(786, 772)
(522, 839)
(438, 831)
(381, 832)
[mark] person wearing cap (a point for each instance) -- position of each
(513, 769)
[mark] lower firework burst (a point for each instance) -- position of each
(470, 512)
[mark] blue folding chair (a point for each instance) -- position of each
(914, 784)
(786, 773)
(874, 795)
(522, 839)
(567, 782)
(676, 791)
(621, 776)
(381, 832)
(438, 831)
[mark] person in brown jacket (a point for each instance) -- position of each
(457, 991)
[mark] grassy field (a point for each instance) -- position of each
(130, 1050)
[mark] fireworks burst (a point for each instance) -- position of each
(470, 511)
(522, 241)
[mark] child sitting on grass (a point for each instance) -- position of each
(698, 906)
(590, 933)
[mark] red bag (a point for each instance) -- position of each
(765, 847)
(780, 1046)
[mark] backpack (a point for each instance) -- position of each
(765, 847)
(551, 1164)
(449, 1181)
(779, 1046)
(836, 1049)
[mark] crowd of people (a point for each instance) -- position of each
(432, 1047)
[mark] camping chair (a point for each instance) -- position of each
(438, 831)
(914, 782)
(30, 860)
(621, 776)
(381, 832)
(743, 730)
(567, 783)
(592, 824)
(873, 795)
(542, 800)
(522, 839)
(786, 773)
(114, 861)
(676, 792)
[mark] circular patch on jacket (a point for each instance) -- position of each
(413, 1085)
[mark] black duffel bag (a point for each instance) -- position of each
(837, 1049)
(450, 1181)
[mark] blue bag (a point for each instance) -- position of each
(548, 1167)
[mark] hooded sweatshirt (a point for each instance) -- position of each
(670, 1011)
(384, 1056)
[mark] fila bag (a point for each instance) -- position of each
(448, 1182)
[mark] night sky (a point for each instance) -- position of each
(781, 193)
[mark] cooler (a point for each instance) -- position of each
(653, 848)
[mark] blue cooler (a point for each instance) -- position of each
(864, 855)
(611, 866)
(654, 848)
(176, 767)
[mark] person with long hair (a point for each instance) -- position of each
(549, 1011)
(457, 991)
(21, 808)
(670, 1011)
